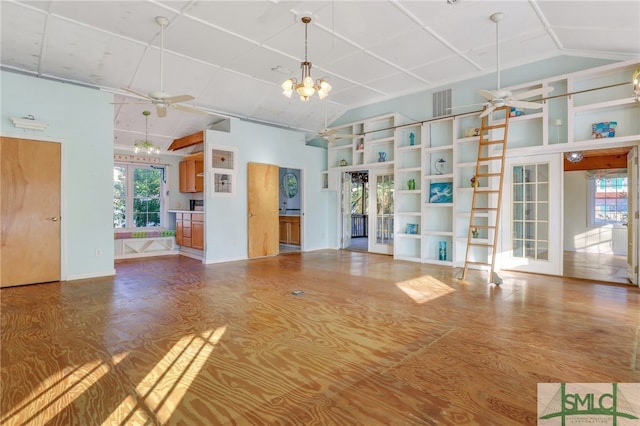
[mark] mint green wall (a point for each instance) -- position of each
(227, 217)
(82, 120)
(419, 106)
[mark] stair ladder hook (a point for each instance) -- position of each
(486, 200)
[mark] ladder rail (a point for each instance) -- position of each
(482, 159)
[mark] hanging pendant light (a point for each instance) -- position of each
(146, 146)
(307, 86)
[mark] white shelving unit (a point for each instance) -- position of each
(443, 152)
(438, 166)
(408, 193)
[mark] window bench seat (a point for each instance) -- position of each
(131, 244)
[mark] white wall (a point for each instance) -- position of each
(81, 119)
(578, 236)
(227, 216)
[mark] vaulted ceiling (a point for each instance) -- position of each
(232, 56)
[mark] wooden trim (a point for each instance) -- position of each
(186, 141)
(601, 162)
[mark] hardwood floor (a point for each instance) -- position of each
(371, 341)
(596, 266)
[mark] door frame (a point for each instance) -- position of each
(62, 195)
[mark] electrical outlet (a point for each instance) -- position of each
(98, 252)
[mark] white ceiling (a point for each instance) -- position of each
(224, 52)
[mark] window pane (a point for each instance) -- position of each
(119, 196)
(137, 202)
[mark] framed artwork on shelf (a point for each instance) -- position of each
(441, 192)
(412, 228)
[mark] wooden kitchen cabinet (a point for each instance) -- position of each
(190, 230)
(197, 231)
(290, 230)
(192, 175)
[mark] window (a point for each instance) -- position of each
(137, 196)
(608, 200)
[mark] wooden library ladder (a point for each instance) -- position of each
(487, 193)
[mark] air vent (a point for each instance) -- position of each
(442, 103)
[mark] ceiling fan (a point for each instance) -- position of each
(160, 98)
(331, 135)
(502, 97)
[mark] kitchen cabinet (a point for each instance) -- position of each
(190, 230)
(192, 175)
(290, 230)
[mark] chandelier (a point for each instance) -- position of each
(307, 87)
(146, 146)
(636, 85)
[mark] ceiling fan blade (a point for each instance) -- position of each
(524, 104)
(531, 93)
(487, 111)
(187, 108)
(135, 92)
(162, 110)
(488, 94)
(178, 99)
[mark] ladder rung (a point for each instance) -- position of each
(499, 157)
(470, 262)
(481, 244)
(491, 142)
(484, 226)
(487, 174)
(484, 209)
(495, 126)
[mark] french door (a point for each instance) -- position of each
(530, 224)
(633, 174)
(381, 210)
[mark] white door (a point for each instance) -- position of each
(345, 210)
(530, 225)
(633, 231)
(381, 211)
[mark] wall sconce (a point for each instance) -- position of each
(636, 85)
(28, 122)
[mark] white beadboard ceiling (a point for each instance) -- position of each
(224, 52)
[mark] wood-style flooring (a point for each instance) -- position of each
(596, 266)
(370, 341)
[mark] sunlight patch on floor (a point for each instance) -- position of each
(59, 391)
(166, 384)
(424, 289)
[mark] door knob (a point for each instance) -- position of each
(53, 219)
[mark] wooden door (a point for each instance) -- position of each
(30, 212)
(262, 227)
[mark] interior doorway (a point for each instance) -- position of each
(597, 222)
(358, 206)
(290, 210)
